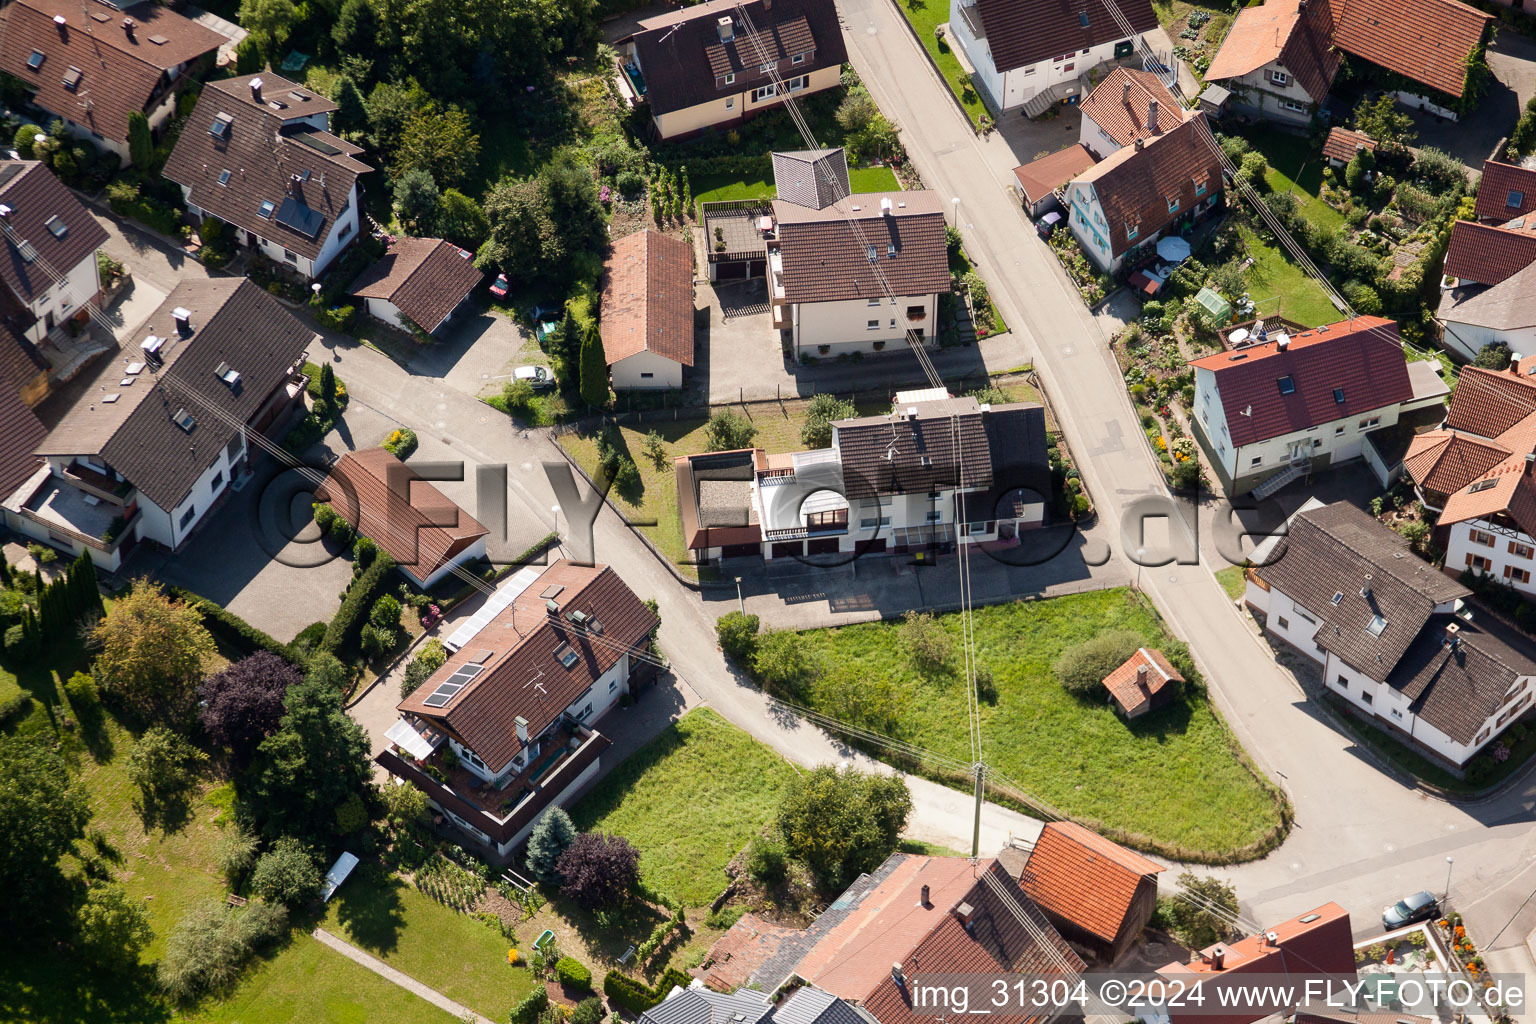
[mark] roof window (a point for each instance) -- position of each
(1516, 199)
(36, 60)
(1376, 626)
(1338, 395)
(57, 226)
(566, 655)
(1082, 18)
(267, 206)
(184, 420)
(1481, 485)
(873, 254)
(220, 127)
(158, 40)
(1287, 385)
(224, 176)
(72, 79)
(1338, 595)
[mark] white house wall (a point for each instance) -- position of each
(1211, 415)
(469, 554)
(81, 285)
(1467, 340)
(987, 79)
(343, 230)
(1294, 624)
(1023, 84)
(843, 326)
(1459, 545)
(383, 309)
(646, 370)
(1256, 93)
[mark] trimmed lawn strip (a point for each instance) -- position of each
(924, 16)
(1273, 275)
(689, 800)
(1232, 581)
(1411, 762)
(1175, 782)
(1295, 166)
(718, 188)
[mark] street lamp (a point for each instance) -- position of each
(1140, 554)
(740, 602)
(956, 203)
(1448, 862)
(555, 508)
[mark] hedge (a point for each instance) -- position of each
(572, 973)
(19, 700)
(342, 633)
(531, 1006)
(469, 590)
(232, 629)
(635, 995)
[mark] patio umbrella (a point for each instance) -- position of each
(1173, 249)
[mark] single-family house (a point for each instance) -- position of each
(647, 311)
(1143, 683)
(1396, 640)
(1157, 184)
(418, 283)
(1033, 53)
(1040, 182)
(95, 64)
(1492, 416)
(1343, 144)
(936, 471)
(697, 1004)
(50, 267)
(416, 524)
(506, 728)
(1431, 42)
(718, 63)
(1270, 412)
(165, 424)
(1097, 894)
(1488, 526)
(1128, 105)
(1505, 192)
(257, 153)
(1277, 60)
(1488, 291)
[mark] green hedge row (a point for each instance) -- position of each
(635, 995)
(469, 590)
(232, 629)
(342, 634)
(22, 698)
(531, 1006)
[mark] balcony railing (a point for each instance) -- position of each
(100, 484)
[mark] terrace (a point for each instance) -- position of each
(733, 230)
(559, 745)
(67, 510)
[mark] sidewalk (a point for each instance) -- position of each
(405, 981)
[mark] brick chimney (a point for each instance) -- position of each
(256, 90)
(924, 901)
(1141, 678)
(1152, 117)
(128, 28)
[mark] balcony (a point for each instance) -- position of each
(69, 511)
(916, 314)
(99, 484)
(501, 799)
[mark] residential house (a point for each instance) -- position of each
(416, 524)
(1033, 53)
(1492, 416)
(1096, 893)
(22, 365)
(912, 914)
(1159, 183)
(647, 310)
(1143, 683)
(1505, 192)
(1323, 1014)
(506, 728)
(697, 1004)
(419, 283)
(1488, 291)
(1396, 640)
(1277, 60)
(257, 153)
(1040, 182)
(935, 469)
(165, 425)
(718, 63)
(1128, 105)
(1488, 526)
(1270, 412)
(1314, 945)
(50, 268)
(93, 64)
(1343, 144)
(1431, 42)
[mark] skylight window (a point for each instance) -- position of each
(36, 60)
(566, 655)
(57, 226)
(872, 254)
(220, 127)
(267, 206)
(1481, 485)
(224, 177)
(1338, 595)
(1287, 385)
(72, 79)
(1516, 199)
(1082, 18)
(1377, 626)
(1338, 395)
(184, 420)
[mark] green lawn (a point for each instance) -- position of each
(461, 957)
(690, 800)
(717, 188)
(1279, 286)
(925, 16)
(1232, 581)
(1172, 781)
(1295, 165)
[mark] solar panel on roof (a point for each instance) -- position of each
(494, 605)
(294, 214)
(450, 687)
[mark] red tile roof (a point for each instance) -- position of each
(1506, 192)
(1079, 875)
(1121, 105)
(647, 302)
(1343, 143)
(1491, 403)
(1122, 682)
(1507, 487)
(744, 948)
(1488, 254)
(384, 499)
(1040, 178)
(1429, 41)
(425, 278)
(1024, 32)
(1362, 358)
(1443, 461)
(1281, 32)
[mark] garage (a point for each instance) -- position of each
(874, 547)
(822, 546)
(740, 550)
(788, 549)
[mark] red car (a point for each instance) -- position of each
(500, 286)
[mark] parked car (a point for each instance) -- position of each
(1045, 225)
(500, 285)
(542, 314)
(538, 376)
(1421, 906)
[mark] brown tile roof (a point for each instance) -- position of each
(1121, 105)
(681, 53)
(1280, 31)
(1429, 41)
(40, 204)
(234, 323)
(647, 302)
(1135, 186)
(826, 259)
(1446, 460)
(1458, 690)
(1344, 143)
(1024, 32)
(1079, 875)
(425, 278)
(1040, 178)
(1360, 357)
(20, 432)
(20, 361)
(119, 73)
(744, 948)
(1128, 693)
(1487, 254)
(383, 498)
(263, 153)
(522, 676)
(1505, 192)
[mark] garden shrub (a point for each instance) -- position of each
(208, 948)
(430, 657)
(588, 1011)
(766, 860)
(1081, 669)
(286, 874)
(325, 516)
(400, 443)
(573, 973)
(225, 625)
(528, 1009)
(738, 636)
(345, 628)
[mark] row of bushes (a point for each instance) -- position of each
(662, 936)
(346, 627)
(19, 700)
(635, 995)
(127, 200)
(232, 629)
(493, 577)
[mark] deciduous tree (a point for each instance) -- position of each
(286, 874)
(164, 767)
(307, 769)
(242, 705)
(154, 651)
(42, 813)
(113, 928)
(819, 416)
(441, 142)
(599, 869)
(842, 823)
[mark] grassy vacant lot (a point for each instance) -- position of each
(1174, 778)
(1295, 165)
(461, 957)
(715, 188)
(925, 16)
(1232, 581)
(1279, 286)
(690, 799)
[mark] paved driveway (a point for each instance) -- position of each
(478, 354)
(1473, 139)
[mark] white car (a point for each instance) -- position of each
(538, 376)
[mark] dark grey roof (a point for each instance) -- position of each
(814, 178)
(705, 1006)
(234, 324)
(1457, 688)
(813, 1006)
(1339, 550)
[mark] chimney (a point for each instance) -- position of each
(61, 21)
(256, 90)
(128, 28)
(1125, 93)
(1141, 677)
(183, 317)
(521, 724)
(1140, 142)
(924, 901)
(886, 209)
(1282, 341)
(1152, 116)
(1217, 956)
(1451, 628)
(5, 212)
(897, 976)
(1272, 938)
(724, 27)
(964, 912)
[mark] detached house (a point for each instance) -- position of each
(93, 64)
(647, 311)
(1270, 412)
(718, 63)
(420, 283)
(1097, 894)
(49, 270)
(1127, 106)
(163, 427)
(1033, 53)
(1488, 291)
(1277, 60)
(1163, 179)
(1395, 638)
(257, 153)
(1492, 417)
(505, 729)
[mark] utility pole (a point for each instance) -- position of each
(980, 770)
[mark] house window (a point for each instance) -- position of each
(1517, 575)
(766, 68)
(1258, 460)
(764, 92)
(1293, 105)
(1069, 68)
(730, 79)
(1366, 698)
(646, 376)
(346, 229)
(1199, 189)
(224, 177)
(1369, 423)
(1282, 622)
(1482, 735)
(1173, 204)
(1338, 430)
(290, 256)
(613, 684)
(796, 84)
(1342, 683)
(871, 302)
(798, 58)
(730, 103)
(1338, 396)
(1131, 231)
(36, 60)
(872, 325)
(1029, 70)
(934, 517)
(1287, 385)
(1479, 563)
(1397, 714)
(188, 516)
(265, 212)
(218, 481)
(1481, 537)
(1279, 78)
